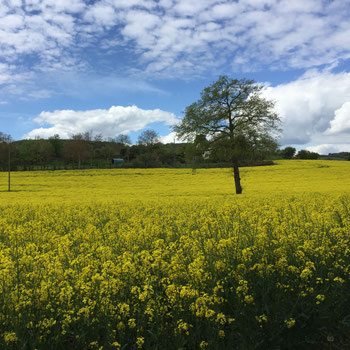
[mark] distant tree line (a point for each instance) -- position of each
(88, 150)
(339, 156)
(291, 152)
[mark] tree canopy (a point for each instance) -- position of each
(288, 152)
(232, 114)
(148, 137)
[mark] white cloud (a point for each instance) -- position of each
(8, 75)
(175, 37)
(139, 26)
(314, 108)
(111, 122)
(101, 14)
(12, 22)
(42, 28)
(147, 4)
(170, 138)
(221, 11)
(341, 122)
(327, 148)
(191, 7)
(279, 33)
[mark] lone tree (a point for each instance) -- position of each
(232, 115)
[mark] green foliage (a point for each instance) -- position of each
(305, 154)
(57, 145)
(7, 151)
(288, 152)
(35, 152)
(233, 116)
(235, 120)
(56, 153)
(339, 156)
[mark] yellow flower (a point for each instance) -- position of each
(10, 337)
(290, 323)
(203, 344)
(306, 273)
(132, 323)
(338, 279)
(248, 299)
(320, 298)
(139, 342)
(262, 318)
(221, 318)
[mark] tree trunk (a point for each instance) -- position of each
(237, 178)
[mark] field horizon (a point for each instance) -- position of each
(285, 177)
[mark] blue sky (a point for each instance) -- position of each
(120, 66)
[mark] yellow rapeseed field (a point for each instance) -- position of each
(286, 178)
(171, 259)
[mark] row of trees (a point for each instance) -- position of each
(291, 152)
(89, 151)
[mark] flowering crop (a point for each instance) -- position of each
(162, 259)
(82, 186)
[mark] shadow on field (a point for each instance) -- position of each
(4, 191)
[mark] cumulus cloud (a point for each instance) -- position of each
(314, 108)
(170, 138)
(111, 122)
(341, 122)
